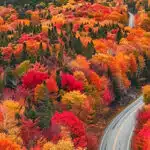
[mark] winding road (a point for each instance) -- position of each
(118, 134)
(131, 20)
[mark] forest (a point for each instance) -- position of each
(67, 67)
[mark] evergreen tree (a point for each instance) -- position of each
(89, 51)
(34, 30)
(133, 79)
(24, 54)
(13, 61)
(115, 87)
(60, 57)
(92, 34)
(44, 110)
(53, 35)
(58, 79)
(40, 52)
(47, 53)
(1, 58)
(9, 79)
(101, 32)
(32, 58)
(147, 66)
(119, 36)
(49, 15)
(81, 27)
(77, 45)
(49, 33)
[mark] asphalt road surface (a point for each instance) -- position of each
(118, 134)
(131, 20)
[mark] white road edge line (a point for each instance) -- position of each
(107, 129)
(129, 140)
(131, 113)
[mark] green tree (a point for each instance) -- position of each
(13, 61)
(24, 54)
(119, 36)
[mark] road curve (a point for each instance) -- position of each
(131, 20)
(117, 135)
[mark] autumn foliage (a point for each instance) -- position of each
(62, 66)
(146, 94)
(141, 135)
